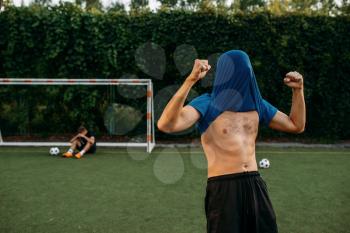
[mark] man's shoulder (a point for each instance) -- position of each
(201, 103)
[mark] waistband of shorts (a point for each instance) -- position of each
(234, 176)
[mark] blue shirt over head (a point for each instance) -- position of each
(235, 89)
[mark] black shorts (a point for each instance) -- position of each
(239, 203)
(92, 149)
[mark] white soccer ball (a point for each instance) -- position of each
(54, 151)
(264, 163)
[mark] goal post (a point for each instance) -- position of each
(149, 142)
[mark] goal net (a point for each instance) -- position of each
(47, 112)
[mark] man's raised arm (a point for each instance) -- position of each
(175, 116)
(295, 122)
(74, 138)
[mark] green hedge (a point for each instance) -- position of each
(65, 41)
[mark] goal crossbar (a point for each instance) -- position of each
(23, 81)
(150, 138)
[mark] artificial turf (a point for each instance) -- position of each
(128, 191)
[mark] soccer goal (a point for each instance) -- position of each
(46, 112)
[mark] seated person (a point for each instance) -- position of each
(84, 142)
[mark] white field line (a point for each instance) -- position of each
(262, 152)
(199, 152)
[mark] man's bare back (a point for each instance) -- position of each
(229, 143)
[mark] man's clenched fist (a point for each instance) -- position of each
(294, 80)
(200, 69)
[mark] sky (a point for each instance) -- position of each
(153, 3)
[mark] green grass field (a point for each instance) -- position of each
(128, 191)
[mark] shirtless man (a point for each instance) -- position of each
(228, 118)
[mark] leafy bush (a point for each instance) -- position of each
(66, 42)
